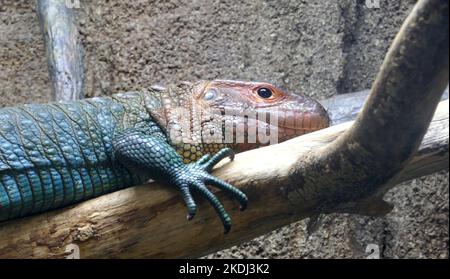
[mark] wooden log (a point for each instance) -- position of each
(148, 221)
(63, 47)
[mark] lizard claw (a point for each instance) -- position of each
(196, 175)
(190, 203)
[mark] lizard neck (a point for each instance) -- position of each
(176, 113)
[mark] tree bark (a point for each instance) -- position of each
(345, 168)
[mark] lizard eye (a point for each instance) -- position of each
(264, 92)
(211, 94)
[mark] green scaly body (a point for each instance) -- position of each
(53, 155)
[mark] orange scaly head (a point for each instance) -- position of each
(206, 116)
(257, 108)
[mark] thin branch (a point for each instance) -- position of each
(345, 107)
(64, 49)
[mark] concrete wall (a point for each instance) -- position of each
(316, 47)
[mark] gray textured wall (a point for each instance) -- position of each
(316, 47)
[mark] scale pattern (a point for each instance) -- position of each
(54, 155)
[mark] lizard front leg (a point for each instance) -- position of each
(152, 154)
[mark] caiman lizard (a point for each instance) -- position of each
(53, 155)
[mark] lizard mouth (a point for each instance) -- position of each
(245, 123)
(277, 127)
(300, 123)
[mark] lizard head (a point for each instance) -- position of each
(254, 114)
(205, 116)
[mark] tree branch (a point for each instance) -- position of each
(345, 107)
(64, 49)
(392, 123)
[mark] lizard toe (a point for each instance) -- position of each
(216, 204)
(190, 203)
(223, 153)
(236, 193)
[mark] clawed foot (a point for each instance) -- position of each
(195, 176)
